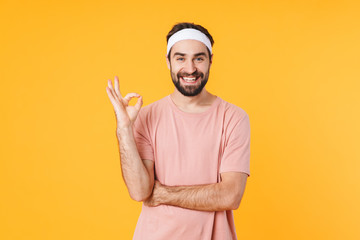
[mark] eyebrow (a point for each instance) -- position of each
(196, 54)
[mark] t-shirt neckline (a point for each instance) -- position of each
(176, 109)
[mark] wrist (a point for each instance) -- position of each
(124, 131)
(164, 196)
(160, 193)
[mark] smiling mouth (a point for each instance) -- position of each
(190, 80)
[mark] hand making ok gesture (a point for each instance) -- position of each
(125, 114)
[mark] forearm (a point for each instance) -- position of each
(210, 197)
(135, 175)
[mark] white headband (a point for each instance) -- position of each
(188, 33)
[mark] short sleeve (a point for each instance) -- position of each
(142, 138)
(236, 155)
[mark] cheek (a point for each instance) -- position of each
(173, 67)
(203, 69)
(175, 70)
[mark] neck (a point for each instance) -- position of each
(202, 99)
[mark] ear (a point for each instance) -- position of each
(167, 62)
(211, 59)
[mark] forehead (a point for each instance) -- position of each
(189, 47)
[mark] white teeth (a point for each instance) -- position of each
(189, 79)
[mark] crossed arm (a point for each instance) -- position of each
(225, 195)
(138, 175)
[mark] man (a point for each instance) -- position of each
(187, 155)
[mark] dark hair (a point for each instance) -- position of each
(180, 26)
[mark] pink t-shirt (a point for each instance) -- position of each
(191, 149)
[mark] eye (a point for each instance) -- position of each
(180, 59)
(199, 59)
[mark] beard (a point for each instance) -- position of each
(189, 90)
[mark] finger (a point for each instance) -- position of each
(128, 97)
(112, 90)
(117, 98)
(119, 102)
(117, 88)
(139, 103)
(112, 99)
(131, 95)
(110, 84)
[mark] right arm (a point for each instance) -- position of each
(138, 174)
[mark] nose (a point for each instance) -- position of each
(189, 67)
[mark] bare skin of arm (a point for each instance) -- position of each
(225, 195)
(138, 174)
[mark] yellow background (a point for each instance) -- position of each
(293, 66)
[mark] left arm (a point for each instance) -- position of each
(225, 195)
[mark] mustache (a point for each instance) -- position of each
(195, 74)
